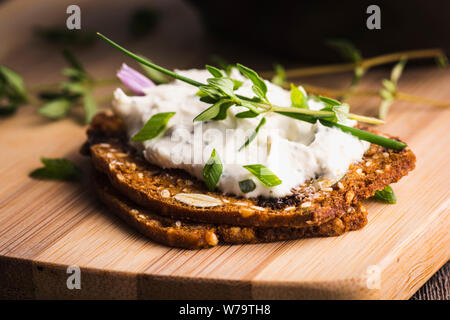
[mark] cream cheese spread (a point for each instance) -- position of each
(295, 151)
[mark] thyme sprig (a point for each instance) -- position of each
(220, 89)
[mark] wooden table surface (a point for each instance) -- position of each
(47, 226)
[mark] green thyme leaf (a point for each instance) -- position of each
(212, 171)
(56, 169)
(442, 61)
(209, 113)
(254, 133)
(298, 99)
(143, 20)
(55, 109)
(210, 92)
(263, 174)
(280, 76)
(259, 86)
(247, 114)
(346, 49)
(237, 84)
(247, 186)
(329, 101)
(384, 108)
(216, 73)
(223, 113)
(72, 60)
(14, 81)
(221, 63)
(397, 71)
(386, 195)
(224, 85)
(153, 127)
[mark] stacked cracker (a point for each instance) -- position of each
(175, 209)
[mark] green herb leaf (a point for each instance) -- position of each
(442, 61)
(57, 169)
(222, 63)
(237, 84)
(298, 99)
(212, 171)
(143, 20)
(153, 127)
(346, 49)
(259, 86)
(386, 195)
(263, 174)
(224, 85)
(280, 76)
(55, 109)
(14, 81)
(247, 114)
(209, 113)
(216, 73)
(329, 101)
(223, 113)
(254, 133)
(90, 106)
(397, 71)
(72, 60)
(247, 186)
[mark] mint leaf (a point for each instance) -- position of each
(263, 174)
(55, 109)
(247, 186)
(153, 127)
(254, 133)
(386, 195)
(56, 169)
(298, 99)
(212, 171)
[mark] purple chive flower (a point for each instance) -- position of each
(134, 80)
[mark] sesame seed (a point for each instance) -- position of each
(359, 171)
(379, 171)
(368, 163)
(340, 185)
(241, 204)
(289, 208)
(178, 223)
(140, 175)
(385, 154)
(327, 189)
(306, 204)
(258, 208)
(120, 177)
(165, 193)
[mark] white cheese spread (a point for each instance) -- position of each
(295, 151)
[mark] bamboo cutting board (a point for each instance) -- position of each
(47, 226)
